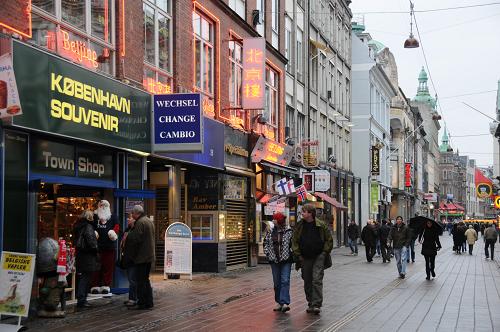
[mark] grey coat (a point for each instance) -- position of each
(141, 241)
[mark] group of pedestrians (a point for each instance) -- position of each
(95, 243)
(309, 246)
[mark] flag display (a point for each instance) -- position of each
(301, 193)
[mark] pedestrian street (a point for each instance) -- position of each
(358, 296)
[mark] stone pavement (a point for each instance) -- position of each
(358, 296)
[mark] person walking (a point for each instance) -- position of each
(141, 239)
(430, 246)
(127, 264)
(86, 256)
(490, 237)
(278, 250)
(352, 237)
(369, 238)
(400, 237)
(383, 235)
(471, 236)
(411, 247)
(312, 244)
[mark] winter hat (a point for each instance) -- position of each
(278, 216)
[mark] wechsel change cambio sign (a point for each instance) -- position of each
(178, 123)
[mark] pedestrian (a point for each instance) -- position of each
(127, 264)
(461, 228)
(312, 243)
(490, 237)
(107, 227)
(376, 227)
(86, 256)
(383, 234)
(352, 237)
(369, 238)
(481, 229)
(400, 237)
(430, 246)
(471, 237)
(278, 250)
(411, 247)
(141, 239)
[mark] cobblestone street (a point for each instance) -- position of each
(358, 296)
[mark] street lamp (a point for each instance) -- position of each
(411, 42)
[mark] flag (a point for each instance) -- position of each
(281, 186)
(290, 186)
(301, 193)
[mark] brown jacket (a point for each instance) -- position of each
(141, 241)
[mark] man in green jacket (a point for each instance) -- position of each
(312, 243)
(141, 240)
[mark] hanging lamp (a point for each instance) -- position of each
(411, 42)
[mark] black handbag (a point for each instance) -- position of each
(328, 261)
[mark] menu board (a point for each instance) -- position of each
(178, 250)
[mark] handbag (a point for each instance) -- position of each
(328, 261)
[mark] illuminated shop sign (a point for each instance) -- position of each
(310, 152)
(375, 165)
(178, 123)
(272, 151)
(61, 98)
(254, 73)
(407, 174)
(156, 87)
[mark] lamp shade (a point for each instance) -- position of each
(411, 42)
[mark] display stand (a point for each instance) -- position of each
(178, 250)
(10, 327)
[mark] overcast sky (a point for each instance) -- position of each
(463, 53)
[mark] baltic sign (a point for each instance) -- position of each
(178, 250)
(375, 169)
(178, 123)
(61, 98)
(254, 73)
(9, 98)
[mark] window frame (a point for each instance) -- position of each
(273, 88)
(210, 44)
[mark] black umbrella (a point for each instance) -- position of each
(418, 223)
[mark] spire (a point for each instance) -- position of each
(423, 94)
(444, 142)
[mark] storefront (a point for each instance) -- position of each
(81, 137)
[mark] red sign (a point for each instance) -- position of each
(77, 50)
(407, 174)
(254, 73)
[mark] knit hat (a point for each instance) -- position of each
(278, 216)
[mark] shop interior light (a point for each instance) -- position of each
(183, 169)
(148, 161)
(168, 166)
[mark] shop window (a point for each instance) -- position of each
(134, 172)
(84, 25)
(157, 26)
(203, 54)
(201, 226)
(261, 7)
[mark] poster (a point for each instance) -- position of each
(16, 280)
(234, 188)
(178, 250)
(9, 97)
(308, 180)
(374, 197)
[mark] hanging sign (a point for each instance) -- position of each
(178, 257)
(178, 123)
(269, 150)
(375, 165)
(16, 281)
(374, 197)
(254, 73)
(322, 180)
(497, 202)
(310, 153)
(9, 97)
(407, 174)
(309, 182)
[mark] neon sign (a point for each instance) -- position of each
(254, 66)
(208, 107)
(76, 50)
(266, 149)
(156, 87)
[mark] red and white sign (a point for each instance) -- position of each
(407, 174)
(254, 73)
(9, 96)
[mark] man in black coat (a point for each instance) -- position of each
(383, 234)
(352, 237)
(369, 237)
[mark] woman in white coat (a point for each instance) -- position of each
(471, 237)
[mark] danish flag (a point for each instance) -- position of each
(301, 192)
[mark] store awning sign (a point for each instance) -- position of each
(254, 73)
(178, 123)
(272, 151)
(61, 98)
(9, 97)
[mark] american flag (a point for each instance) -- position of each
(301, 192)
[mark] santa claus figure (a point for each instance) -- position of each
(107, 228)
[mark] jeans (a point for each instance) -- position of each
(400, 256)
(353, 244)
(83, 286)
(312, 273)
(411, 249)
(489, 244)
(281, 280)
(144, 290)
(464, 246)
(430, 262)
(132, 283)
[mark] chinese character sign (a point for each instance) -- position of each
(254, 73)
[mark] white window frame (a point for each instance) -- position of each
(275, 23)
(272, 92)
(239, 7)
(235, 86)
(214, 225)
(204, 44)
(261, 7)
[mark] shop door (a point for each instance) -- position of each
(236, 234)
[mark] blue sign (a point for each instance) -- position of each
(213, 150)
(178, 123)
(178, 230)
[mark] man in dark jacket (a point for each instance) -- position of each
(400, 237)
(311, 243)
(141, 240)
(352, 237)
(369, 238)
(490, 237)
(86, 255)
(383, 234)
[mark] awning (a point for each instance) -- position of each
(275, 168)
(331, 201)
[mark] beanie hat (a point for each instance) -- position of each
(278, 216)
